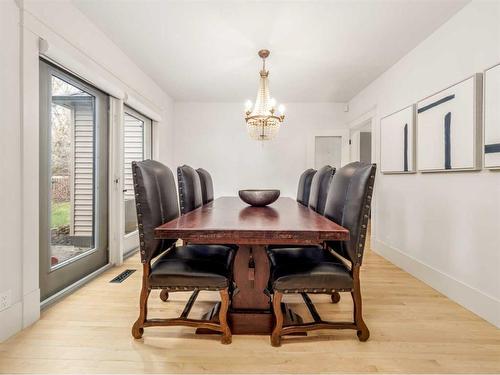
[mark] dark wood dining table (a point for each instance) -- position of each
(228, 220)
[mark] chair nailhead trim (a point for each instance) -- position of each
(185, 288)
(319, 291)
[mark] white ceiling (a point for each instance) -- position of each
(320, 50)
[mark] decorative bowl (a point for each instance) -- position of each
(259, 198)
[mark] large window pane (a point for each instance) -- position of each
(72, 144)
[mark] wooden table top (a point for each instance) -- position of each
(229, 220)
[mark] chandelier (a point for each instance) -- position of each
(263, 121)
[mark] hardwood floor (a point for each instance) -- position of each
(414, 329)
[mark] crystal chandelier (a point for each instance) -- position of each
(263, 121)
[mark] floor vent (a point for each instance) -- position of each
(121, 277)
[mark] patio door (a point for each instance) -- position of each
(73, 179)
(137, 132)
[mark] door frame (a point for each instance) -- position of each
(131, 240)
(354, 138)
(73, 270)
(117, 244)
(371, 116)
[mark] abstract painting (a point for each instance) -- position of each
(448, 128)
(397, 142)
(492, 117)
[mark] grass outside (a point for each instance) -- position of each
(60, 214)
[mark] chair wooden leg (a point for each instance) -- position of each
(164, 295)
(362, 330)
(278, 319)
(335, 297)
(138, 327)
(226, 331)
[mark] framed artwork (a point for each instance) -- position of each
(449, 126)
(397, 142)
(492, 117)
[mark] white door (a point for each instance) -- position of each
(137, 132)
(328, 151)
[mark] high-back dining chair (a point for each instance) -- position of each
(190, 193)
(185, 268)
(319, 188)
(304, 188)
(312, 270)
(207, 185)
(191, 186)
(312, 191)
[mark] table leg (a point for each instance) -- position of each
(251, 276)
(250, 312)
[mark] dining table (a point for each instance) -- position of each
(228, 220)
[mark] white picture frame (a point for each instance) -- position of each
(491, 117)
(449, 128)
(397, 142)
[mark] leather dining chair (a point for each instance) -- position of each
(319, 188)
(311, 269)
(207, 185)
(304, 188)
(185, 268)
(319, 182)
(190, 193)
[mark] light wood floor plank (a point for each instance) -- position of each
(414, 329)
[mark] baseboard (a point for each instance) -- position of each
(11, 321)
(31, 308)
(481, 304)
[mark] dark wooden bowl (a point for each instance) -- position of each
(259, 198)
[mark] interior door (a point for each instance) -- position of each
(73, 179)
(328, 151)
(137, 133)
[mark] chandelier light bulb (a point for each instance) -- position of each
(272, 103)
(281, 109)
(248, 105)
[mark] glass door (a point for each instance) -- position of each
(73, 179)
(137, 131)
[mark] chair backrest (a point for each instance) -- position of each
(156, 204)
(305, 186)
(207, 185)
(348, 204)
(190, 195)
(319, 188)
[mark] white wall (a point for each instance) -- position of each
(58, 22)
(444, 228)
(10, 153)
(214, 136)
